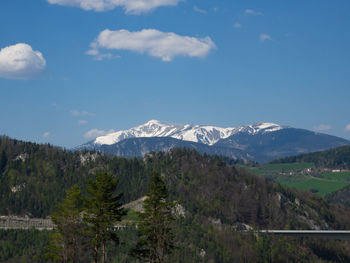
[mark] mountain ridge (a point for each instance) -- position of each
(205, 134)
(259, 142)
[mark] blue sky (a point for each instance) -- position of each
(68, 67)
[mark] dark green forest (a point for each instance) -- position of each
(42, 174)
(341, 196)
(337, 158)
(217, 197)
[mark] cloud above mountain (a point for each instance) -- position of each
(164, 45)
(237, 25)
(77, 113)
(264, 37)
(93, 133)
(134, 7)
(252, 12)
(322, 127)
(20, 61)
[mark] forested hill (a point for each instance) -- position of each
(341, 196)
(217, 199)
(221, 193)
(34, 178)
(337, 158)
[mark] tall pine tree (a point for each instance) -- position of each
(155, 226)
(3, 161)
(66, 242)
(102, 212)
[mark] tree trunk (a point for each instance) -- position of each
(95, 253)
(75, 250)
(103, 252)
(96, 249)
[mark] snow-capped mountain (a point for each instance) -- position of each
(208, 135)
(259, 142)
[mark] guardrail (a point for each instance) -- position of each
(16, 222)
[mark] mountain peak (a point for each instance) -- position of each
(150, 122)
(266, 126)
(196, 133)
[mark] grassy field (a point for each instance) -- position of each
(289, 174)
(255, 170)
(277, 168)
(341, 176)
(322, 186)
(287, 167)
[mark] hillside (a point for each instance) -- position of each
(33, 177)
(337, 158)
(217, 199)
(341, 196)
(36, 176)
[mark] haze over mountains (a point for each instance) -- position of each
(259, 142)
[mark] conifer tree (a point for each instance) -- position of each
(102, 211)
(65, 245)
(3, 161)
(155, 226)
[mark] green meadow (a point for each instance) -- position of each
(319, 186)
(291, 175)
(287, 167)
(341, 176)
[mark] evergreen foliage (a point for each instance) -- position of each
(23, 245)
(42, 173)
(67, 242)
(102, 211)
(217, 198)
(3, 161)
(155, 226)
(337, 158)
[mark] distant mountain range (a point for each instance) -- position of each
(260, 142)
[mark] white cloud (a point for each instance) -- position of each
(347, 127)
(197, 9)
(237, 25)
(264, 37)
(134, 7)
(20, 61)
(98, 56)
(215, 9)
(46, 134)
(92, 134)
(252, 12)
(77, 113)
(153, 42)
(82, 122)
(322, 127)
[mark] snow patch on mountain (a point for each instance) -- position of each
(261, 127)
(196, 133)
